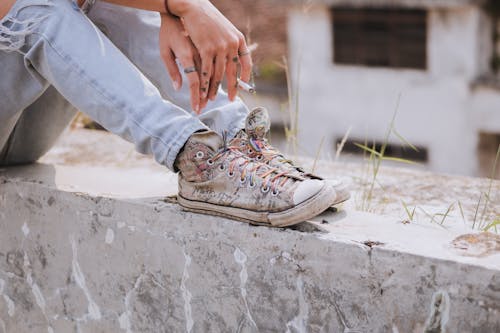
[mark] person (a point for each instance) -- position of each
(150, 71)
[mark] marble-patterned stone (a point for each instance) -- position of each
(166, 270)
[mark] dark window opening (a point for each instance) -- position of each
(488, 148)
(380, 37)
(391, 150)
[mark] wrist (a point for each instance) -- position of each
(181, 7)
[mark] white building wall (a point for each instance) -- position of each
(485, 104)
(434, 108)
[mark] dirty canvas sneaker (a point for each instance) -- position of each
(252, 142)
(220, 180)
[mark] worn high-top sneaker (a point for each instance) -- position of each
(252, 142)
(219, 180)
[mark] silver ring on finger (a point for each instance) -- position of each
(191, 69)
(243, 53)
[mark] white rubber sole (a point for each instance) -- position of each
(302, 212)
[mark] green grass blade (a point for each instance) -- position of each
(403, 140)
(368, 149)
(477, 209)
(493, 224)
(317, 154)
(432, 217)
(340, 146)
(448, 211)
(495, 164)
(461, 211)
(397, 159)
(410, 215)
(488, 193)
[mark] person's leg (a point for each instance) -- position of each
(62, 48)
(6, 127)
(135, 32)
(18, 90)
(36, 128)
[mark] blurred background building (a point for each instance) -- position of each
(350, 60)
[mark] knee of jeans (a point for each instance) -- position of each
(15, 29)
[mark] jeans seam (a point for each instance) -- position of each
(80, 72)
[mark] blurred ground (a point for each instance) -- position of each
(487, 147)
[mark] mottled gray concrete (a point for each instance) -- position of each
(73, 259)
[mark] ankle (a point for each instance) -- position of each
(197, 149)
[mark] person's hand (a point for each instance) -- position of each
(221, 46)
(174, 44)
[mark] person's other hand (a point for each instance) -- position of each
(221, 46)
(175, 44)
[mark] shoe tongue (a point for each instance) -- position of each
(257, 123)
(209, 139)
(241, 135)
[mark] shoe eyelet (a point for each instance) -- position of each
(210, 162)
(275, 193)
(243, 180)
(200, 154)
(242, 144)
(249, 151)
(222, 167)
(230, 174)
(265, 189)
(259, 158)
(251, 184)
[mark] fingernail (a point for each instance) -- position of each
(197, 108)
(176, 85)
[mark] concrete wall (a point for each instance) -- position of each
(76, 262)
(434, 110)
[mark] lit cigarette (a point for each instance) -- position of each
(246, 87)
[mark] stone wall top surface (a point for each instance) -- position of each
(452, 240)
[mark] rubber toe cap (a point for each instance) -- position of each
(307, 189)
(341, 189)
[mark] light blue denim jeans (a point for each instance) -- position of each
(54, 60)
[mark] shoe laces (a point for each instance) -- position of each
(262, 151)
(272, 178)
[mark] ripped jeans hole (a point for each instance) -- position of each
(13, 31)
